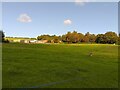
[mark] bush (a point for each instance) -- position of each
(6, 41)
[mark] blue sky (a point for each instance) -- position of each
(58, 0)
(32, 19)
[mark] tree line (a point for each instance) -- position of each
(75, 37)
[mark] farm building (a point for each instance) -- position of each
(41, 41)
(25, 41)
(32, 41)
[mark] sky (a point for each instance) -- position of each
(30, 19)
(59, 0)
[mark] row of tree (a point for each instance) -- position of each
(75, 37)
(51, 39)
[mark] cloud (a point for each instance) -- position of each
(67, 22)
(24, 18)
(81, 2)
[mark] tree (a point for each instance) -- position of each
(100, 38)
(43, 37)
(92, 38)
(74, 37)
(81, 36)
(71, 37)
(108, 37)
(86, 37)
(111, 37)
(68, 37)
(118, 40)
(87, 34)
(64, 38)
(2, 36)
(56, 39)
(50, 39)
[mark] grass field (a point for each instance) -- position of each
(60, 66)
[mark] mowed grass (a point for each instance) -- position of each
(60, 66)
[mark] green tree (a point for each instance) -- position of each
(111, 37)
(64, 38)
(100, 38)
(43, 37)
(2, 35)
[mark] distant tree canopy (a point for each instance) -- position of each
(108, 37)
(75, 37)
(71, 37)
(51, 39)
(111, 37)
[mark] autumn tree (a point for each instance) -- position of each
(86, 37)
(74, 37)
(81, 36)
(68, 37)
(92, 38)
(71, 37)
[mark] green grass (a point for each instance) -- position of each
(60, 66)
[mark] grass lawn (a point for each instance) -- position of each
(59, 66)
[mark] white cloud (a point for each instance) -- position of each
(81, 2)
(67, 22)
(24, 18)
